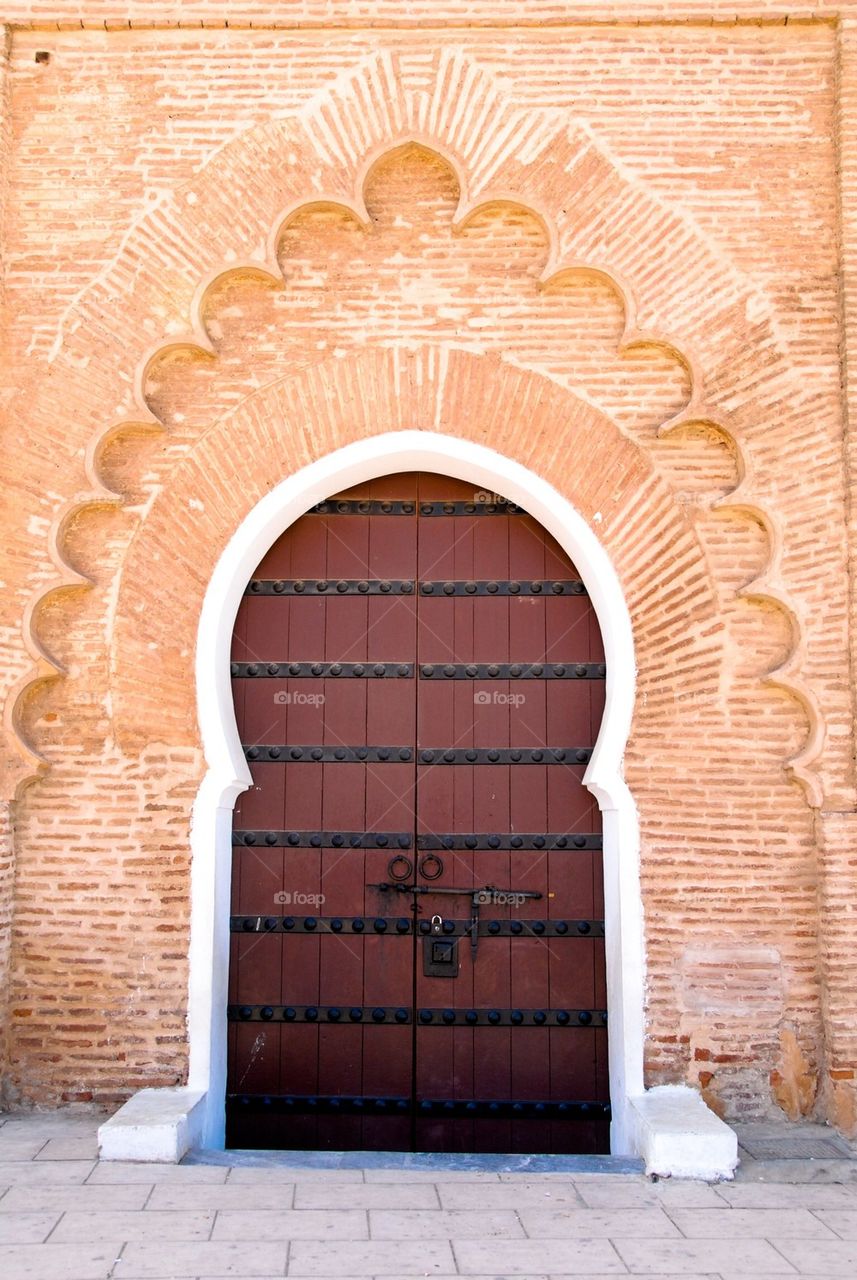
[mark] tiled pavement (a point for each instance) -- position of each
(64, 1216)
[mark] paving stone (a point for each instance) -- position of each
(523, 1257)
(229, 1196)
(508, 1195)
(821, 1257)
(142, 1260)
(578, 1224)
(366, 1196)
(58, 1261)
(431, 1175)
(710, 1223)
(291, 1224)
(21, 1146)
(638, 1193)
(131, 1225)
(778, 1195)
(26, 1228)
(675, 1257)
(28, 1173)
(372, 1258)
(428, 1224)
(266, 1176)
(88, 1198)
(841, 1221)
(117, 1171)
(82, 1148)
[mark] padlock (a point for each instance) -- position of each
(437, 924)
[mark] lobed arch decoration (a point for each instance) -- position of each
(229, 218)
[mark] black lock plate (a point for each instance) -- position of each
(440, 957)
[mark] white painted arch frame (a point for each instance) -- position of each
(228, 774)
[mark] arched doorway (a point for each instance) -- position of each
(417, 923)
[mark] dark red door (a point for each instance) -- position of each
(417, 933)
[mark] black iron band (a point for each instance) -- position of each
(390, 507)
(504, 587)
(321, 670)
(404, 925)
(430, 1108)
(287, 754)
(368, 1014)
(513, 671)
(549, 841)
(330, 587)
(504, 755)
(326, 839)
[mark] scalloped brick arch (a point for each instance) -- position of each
(673, 282)
(300, 438)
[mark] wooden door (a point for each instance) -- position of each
(417, 916)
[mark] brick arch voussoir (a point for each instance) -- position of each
(298, 419)
(500, 152)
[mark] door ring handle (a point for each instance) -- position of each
(433, 861)
(400, 861)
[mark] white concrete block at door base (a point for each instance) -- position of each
(154, 1125)
(678, 1136)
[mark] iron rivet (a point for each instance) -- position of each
(322, 585)
(290, 1014)
(537, 669)
(559, 670)
(355, 1014)
(383, 753)
(336, 668)
(380, 925)
(516, 927)
(401, 1015)
(449, 926)
(426, 1015)
(493, 670)
(311, 1013)
(516, 1016)
(250, 837)
(404, 669)
(427, 588)
(449, 670)
(408, 508)
(494, 926)
(559, 755)
(252, 670)
(296, 753)
(580, 842)
(255, 585)
(449, 508)
(234, 669)
(294, 668)
(340, 753)
(404, 754)
(602, 670)
(425, 926)
(274, 753)
(386, 587)
(362, 753)
(364, 508)
(514, 588)
(266, 1012)
(357, 925)
(493, 842)
(407, 587)
(562, 1017)
(358, 669)
(300, 586)
(516, 842)
(471, 1016)
(246, 1011)
(538, 926)
(273, 668)
(403, 925)
(447, 842)
(515, 669)
(271, 837)
(493, 756)
(271, 922)
(378, 1015)
(380, 669)
(470, 507)
(310, 923)
(515, 755)
(249, 924)
(536, 587)
(426, 509)
(561, 927)
(288, 922)
(470, 588)
(404, 842)
(336, 925)
(381, 842)
(557, 588)
(583, 926)
(315, 840)
(494, 1015)
(471, 755)
(492, 588)
(449, 756)
(317, 669)
(449, 1015)
(449, 588)
(584, 1017)
(317, 753)
(386, 507)
(561, 842)
(582, 757)
(471, 670)
(252, 753)
(540, 1017)
(337, 840)
(279, 587)
(334, 1014)
(580, 669)
(539, 842)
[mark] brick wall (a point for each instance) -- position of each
(646, 221)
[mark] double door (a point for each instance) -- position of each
(417, 921)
